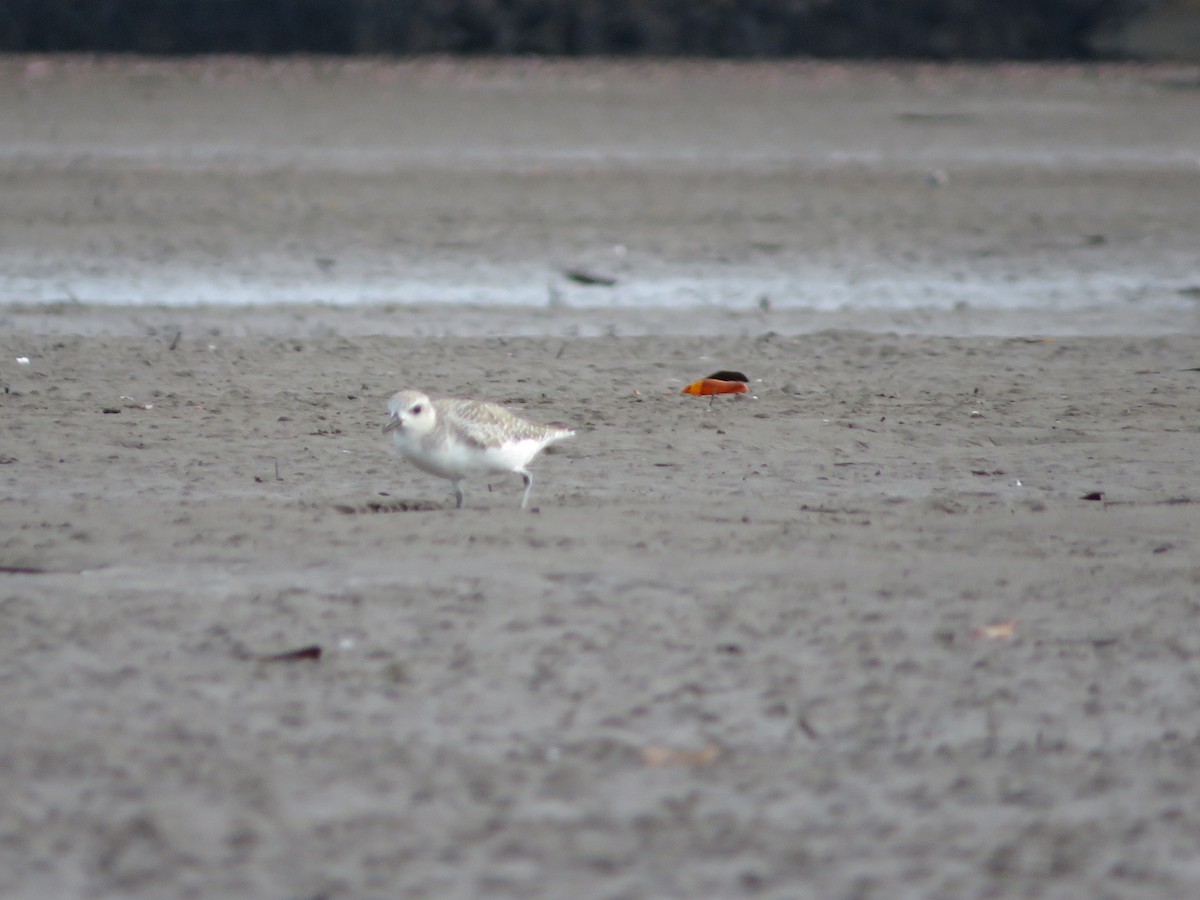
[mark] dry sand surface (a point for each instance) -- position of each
(916, 618)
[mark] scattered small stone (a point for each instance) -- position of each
(312, 651)
(592, 279)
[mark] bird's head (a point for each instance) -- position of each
(410, 412)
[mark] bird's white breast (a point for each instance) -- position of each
(454, 458)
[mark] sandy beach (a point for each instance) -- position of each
(914, 618)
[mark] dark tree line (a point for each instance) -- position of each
(937, 29)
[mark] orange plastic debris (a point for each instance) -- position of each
(706, 386)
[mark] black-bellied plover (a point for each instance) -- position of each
(454, 439)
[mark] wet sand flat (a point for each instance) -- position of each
(789, 588)
(819, 187)
(913, 618)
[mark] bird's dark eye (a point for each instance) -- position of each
(416, 410)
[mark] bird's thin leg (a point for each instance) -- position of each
(528, 486)
(458, 495)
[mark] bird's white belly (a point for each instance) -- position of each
(455, 460)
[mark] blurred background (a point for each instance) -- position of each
(924, 29)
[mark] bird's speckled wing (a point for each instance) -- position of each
(488, 424)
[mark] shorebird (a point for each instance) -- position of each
(455, 439)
